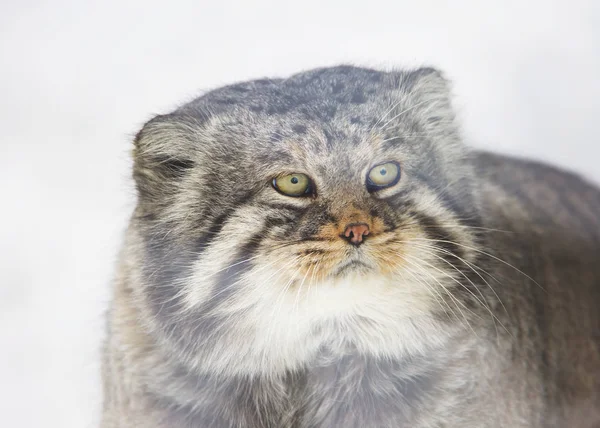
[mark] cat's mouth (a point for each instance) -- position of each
(351, 265)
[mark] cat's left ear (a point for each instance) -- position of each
(428, 80)
(430, 90)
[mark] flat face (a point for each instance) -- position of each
(332, 206)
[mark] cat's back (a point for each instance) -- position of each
(550, 199)
(548, 239)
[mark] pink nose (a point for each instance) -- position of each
(355, 232)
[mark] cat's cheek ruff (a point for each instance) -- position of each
(425, 206)
(221, 255)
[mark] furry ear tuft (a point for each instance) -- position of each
(163, 152)
(426, 77)
(428, 88)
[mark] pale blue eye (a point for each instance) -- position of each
(383, 175)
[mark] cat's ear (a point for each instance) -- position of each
(164, 151)
(430, 91)
(428, 80)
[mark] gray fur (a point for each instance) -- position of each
(475, 303)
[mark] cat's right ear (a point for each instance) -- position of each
(164, 151)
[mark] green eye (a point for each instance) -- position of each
(293, 185)
(383, 175)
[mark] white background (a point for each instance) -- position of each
(78, 78)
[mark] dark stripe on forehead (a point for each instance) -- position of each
(329, 139)
(392, 142)
(274, 156)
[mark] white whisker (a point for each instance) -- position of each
(485, 254)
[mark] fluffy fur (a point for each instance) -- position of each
(472, 302)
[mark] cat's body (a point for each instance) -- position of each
(471, 302)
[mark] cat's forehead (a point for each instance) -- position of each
(322, 95)
(330, 83)
(353, 116)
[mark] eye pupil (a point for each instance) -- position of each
(383, 171)
(294, 180)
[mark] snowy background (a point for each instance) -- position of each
(77, 80)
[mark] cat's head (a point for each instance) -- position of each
(278, 217)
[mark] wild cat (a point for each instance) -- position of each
(324, 251)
